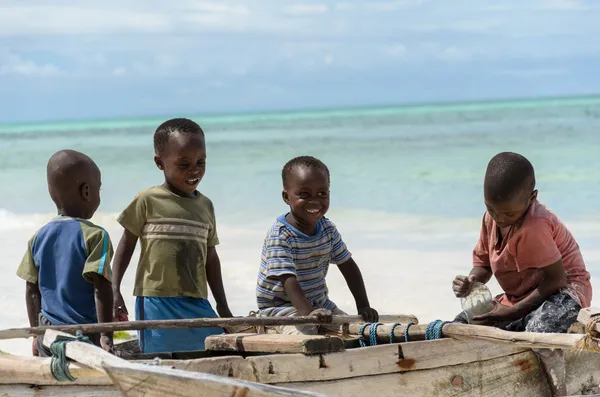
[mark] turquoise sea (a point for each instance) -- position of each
(406, 185)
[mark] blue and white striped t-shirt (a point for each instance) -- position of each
(287, 250)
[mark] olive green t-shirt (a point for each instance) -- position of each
(175, 233)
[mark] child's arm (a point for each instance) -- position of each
(121, 262)
(215, 282)
(33, 300)
(481, 271)
(554, 278)
(104, 300)
(294, 292)
(355, 282)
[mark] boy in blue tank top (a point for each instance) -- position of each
(67, 263)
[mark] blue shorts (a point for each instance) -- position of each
(176, 339)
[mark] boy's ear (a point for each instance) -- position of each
(159, 163)
(84, 191)
(534, 195)
(285, 197)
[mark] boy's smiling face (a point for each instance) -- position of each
(183, 161)
(307, 194)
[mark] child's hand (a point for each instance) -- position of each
(34, 347)
(462, 285)
(106, 343)
(323, 315)
(369, 314)
(119, 309)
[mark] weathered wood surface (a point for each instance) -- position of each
(365, 373)
(34, 370)
(351, 363)
(12, 333)
(59, 391)
(516, 376)
(134, 379)
(273, 343)
(149, 381)
(478, 332)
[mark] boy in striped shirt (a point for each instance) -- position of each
(298, 250)
(67, 263)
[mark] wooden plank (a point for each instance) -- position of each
(350, 363)
(193, 323)
(59, 391)
(35, 370)
(516, 375)
(587, 314)
(477, 332)
(230, 366)
(143, 380)
(274, 343)
(149, 381)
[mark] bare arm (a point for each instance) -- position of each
(554, 278)
(120, 264)
(215, 282)
(33, 300)
(355, 282)
(481, 274)
(294, 292)
(104, 300)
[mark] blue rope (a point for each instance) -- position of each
(373, 333)
(434, 329)
(392, 332)
(406, 330)
(58, 365)
(361, 338)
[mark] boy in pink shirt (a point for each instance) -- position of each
(533, 255)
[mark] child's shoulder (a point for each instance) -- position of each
(64, 228)
(538, 215)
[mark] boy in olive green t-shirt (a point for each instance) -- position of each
(177, 228)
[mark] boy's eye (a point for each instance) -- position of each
(183, 165)
(303, 194)
(201, 163)
(323, 194)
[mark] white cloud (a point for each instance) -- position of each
(306, 9)
(14, 64)
(454, 54)
(396, 50)
(567, 5)
(119, 71)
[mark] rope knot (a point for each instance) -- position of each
(59, 367)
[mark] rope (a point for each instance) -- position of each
(361, 338)
(373, 333)
(406, 330)
(392, 332)
(591, 339)
(434, 329)
(58, 365)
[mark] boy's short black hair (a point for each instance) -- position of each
(305, 161)
(171, 127)
(508, 175)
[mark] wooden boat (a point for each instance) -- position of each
(247, 365)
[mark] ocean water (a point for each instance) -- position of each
(406, 189)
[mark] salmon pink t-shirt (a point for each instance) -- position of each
(538, 240)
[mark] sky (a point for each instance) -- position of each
(70, 59)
